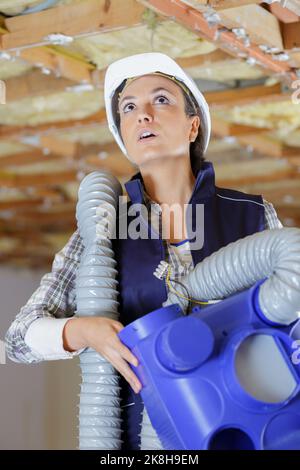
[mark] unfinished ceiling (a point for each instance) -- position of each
(244, 55)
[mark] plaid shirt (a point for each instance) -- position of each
(55, 296)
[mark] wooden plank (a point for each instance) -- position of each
(267, 146)
(24, 231)
(223, 128)
(204, 5)
(202, 59)
(19, 131)
(261, 26)
(222, 4)
(283, 14)
(293, 5)
(243, 96)
(291, 35)
(20, 205)
(62, 147)
(292, 212)
(10, 180)
(71, 20)
(61, 64)
(27, 158)
(34, 83)
(225, 40)
(235, 183)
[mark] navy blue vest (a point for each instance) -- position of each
(228, 216)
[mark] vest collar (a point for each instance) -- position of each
(204, 186)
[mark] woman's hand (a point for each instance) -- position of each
(100, 334)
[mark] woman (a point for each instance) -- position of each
(161, 122)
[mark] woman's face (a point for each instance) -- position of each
(156, 104)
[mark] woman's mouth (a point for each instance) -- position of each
(147, 139)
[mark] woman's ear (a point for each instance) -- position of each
(194, 128)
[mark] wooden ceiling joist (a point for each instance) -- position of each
(243, 96)
(34, 83)
(267, 146)
(9, 180)
(222, 128)
(226, 40)
(27, 158)
(260, 25)
(283, 14)
(20, 131)
(253, 179)
(91, 16)
(20, 205)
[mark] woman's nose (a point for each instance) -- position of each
(145, 115)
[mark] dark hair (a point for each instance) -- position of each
(191, 108)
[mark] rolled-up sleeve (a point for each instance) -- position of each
(271, 219)
(47, 310)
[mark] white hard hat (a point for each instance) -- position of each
(147, 63)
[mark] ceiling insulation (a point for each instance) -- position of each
(168, 37)
(53, 130)
(227, 70)
(49, 108)
(9, 148)
(87, 135)
(283, 115)
(13, 68)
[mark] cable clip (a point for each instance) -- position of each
(162, 270)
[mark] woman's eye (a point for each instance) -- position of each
(162, 96)
(126, 107)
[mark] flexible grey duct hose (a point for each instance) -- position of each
(272, 254)
(149, 437)
(96, 295)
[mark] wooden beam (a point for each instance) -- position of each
(260, 25)
(27, 158)
(10, 180)
(116, 163)
(283, 14)
(293, 5)
(252, 179)
(292, 212)
(61, 64)
(63, 147)
(226, 40)
(243, 96)
(266, 146)
(291, 35)
(71, 20)
(23, 231)
(222, 4)
(204, 5)
(34, 83)
(202, 59)
(283, 193)
(221, 128)
(22, 260)
(20, 205)
(19, 131)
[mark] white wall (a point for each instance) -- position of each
(38, 402)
